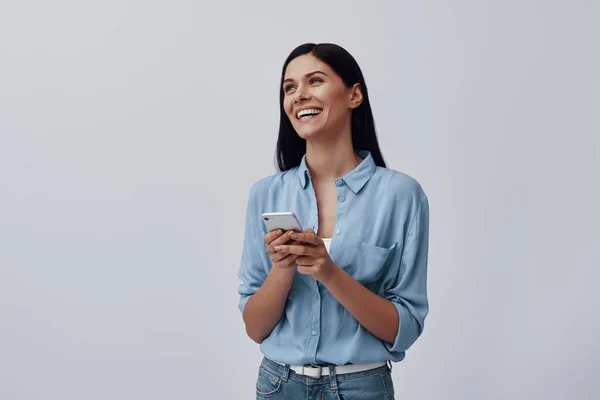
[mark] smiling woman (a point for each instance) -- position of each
(348, 295)
(326, 78)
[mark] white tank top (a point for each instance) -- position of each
(327, 242)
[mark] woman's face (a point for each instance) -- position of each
(315, 98)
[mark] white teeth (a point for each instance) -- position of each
(301, 113)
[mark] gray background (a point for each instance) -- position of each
(131, 131)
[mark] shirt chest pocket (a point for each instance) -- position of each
(369, 262)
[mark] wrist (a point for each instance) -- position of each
(331, 275)
(288, 270)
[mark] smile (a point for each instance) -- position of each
(303, 115)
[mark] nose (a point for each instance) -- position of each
(301, 95)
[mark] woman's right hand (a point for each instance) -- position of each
(275, 238)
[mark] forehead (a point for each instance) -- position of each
(304, 64)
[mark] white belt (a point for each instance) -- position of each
(317, 372)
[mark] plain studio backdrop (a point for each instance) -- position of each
(131, 132)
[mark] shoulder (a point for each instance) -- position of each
(272, 183)
(406, 195)
(400, 185)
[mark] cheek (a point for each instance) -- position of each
(287, 108)
(338, 105)
(333, 101)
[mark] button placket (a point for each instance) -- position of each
(316, 324)
(341, 206)
(314, 210)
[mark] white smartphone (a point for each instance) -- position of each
(281, 220)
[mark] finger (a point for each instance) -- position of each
(282, 239)
(286, 261)
(274, 234)
(276, 257)
(308, 237)
(294, 249)
(305, 261)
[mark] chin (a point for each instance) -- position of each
(308, 134)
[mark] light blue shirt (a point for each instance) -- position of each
(381, 238)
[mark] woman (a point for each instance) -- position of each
(348, 295)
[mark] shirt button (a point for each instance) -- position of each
(339, 182)
(337, 232)
(342, 199)
(314, 333)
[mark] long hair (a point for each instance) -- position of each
(290, 146)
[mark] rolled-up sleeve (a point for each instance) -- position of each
(251, 270)
(408, 289)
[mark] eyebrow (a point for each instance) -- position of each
(307, 75)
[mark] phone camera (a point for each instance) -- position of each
(266, 218)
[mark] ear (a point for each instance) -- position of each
(356, 96)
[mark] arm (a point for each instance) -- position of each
(263, 294)
(265, 307)
(407, 287)
(373, 312)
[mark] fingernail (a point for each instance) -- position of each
(277, 248)
(278, 231)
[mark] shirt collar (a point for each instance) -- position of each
(355, 179)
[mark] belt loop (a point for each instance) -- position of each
(333, 378)
(286, 373)
(390, 364)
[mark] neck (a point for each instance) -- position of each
(330, 159)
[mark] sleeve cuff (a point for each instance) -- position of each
(407, 331)
(242, 303)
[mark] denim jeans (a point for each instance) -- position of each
(279, 382)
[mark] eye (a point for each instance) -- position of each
(287, 88)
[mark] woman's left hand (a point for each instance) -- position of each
(313, 258)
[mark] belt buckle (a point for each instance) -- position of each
(319, 371)
(318, 367)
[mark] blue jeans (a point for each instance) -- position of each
(279, 382)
